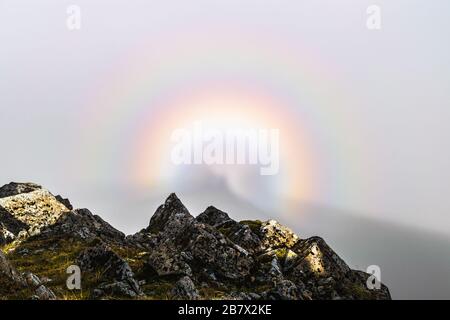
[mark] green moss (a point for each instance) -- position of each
(158, 290)
(209, 293)
(256, 288)
(50, 259)
(135, 257)
(254, 225)
(19, 292)
(281, 253)
(8, 247)
(226, 231)
(359, 292)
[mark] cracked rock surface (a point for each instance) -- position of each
(177, 256)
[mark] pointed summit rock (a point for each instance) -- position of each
(214, 217)
(172, 215)
(184, 245)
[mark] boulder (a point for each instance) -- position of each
(274, 235)
(185, 289)
(238, 233)
(83, 225)
(14, 284)
(170, 218)
(177, 231)
(10, 280)
(35, 209)
(212, 250)
(41, 292)
(10, 227)
(116, 274)
(214, 217)
(315, 259)
(284, 290)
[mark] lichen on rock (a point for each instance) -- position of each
(177, 256)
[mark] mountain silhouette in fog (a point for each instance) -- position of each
(415, 264)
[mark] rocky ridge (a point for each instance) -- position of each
(177, 256)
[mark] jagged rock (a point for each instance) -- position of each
(83, 225)
(10, 227)
(214, 217)
(242, 296)
(32, 280)
(247, 260)
(314, 258)
(6, 236)
(14, 188)
(43, 293)
(242, 235)
(170, 218)
(167, 224)
(269, 268)
(227, 259)
(284, 290)
(115, 272)
(142, 240)
(117, 288)
(35, 208)
(10, 280)
(40, 290)
(274, 235)
(179, 232)
(65, 202)
(239, 233)
(166, 260)
(185, 290)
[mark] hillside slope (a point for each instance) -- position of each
(177, 256)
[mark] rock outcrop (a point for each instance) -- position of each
(116, 276)
(183, 246)
(177, 256)
(21, 286)
(185, 290)
(14, 188)
(83, 225)
(26, 209)
(238, 233)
